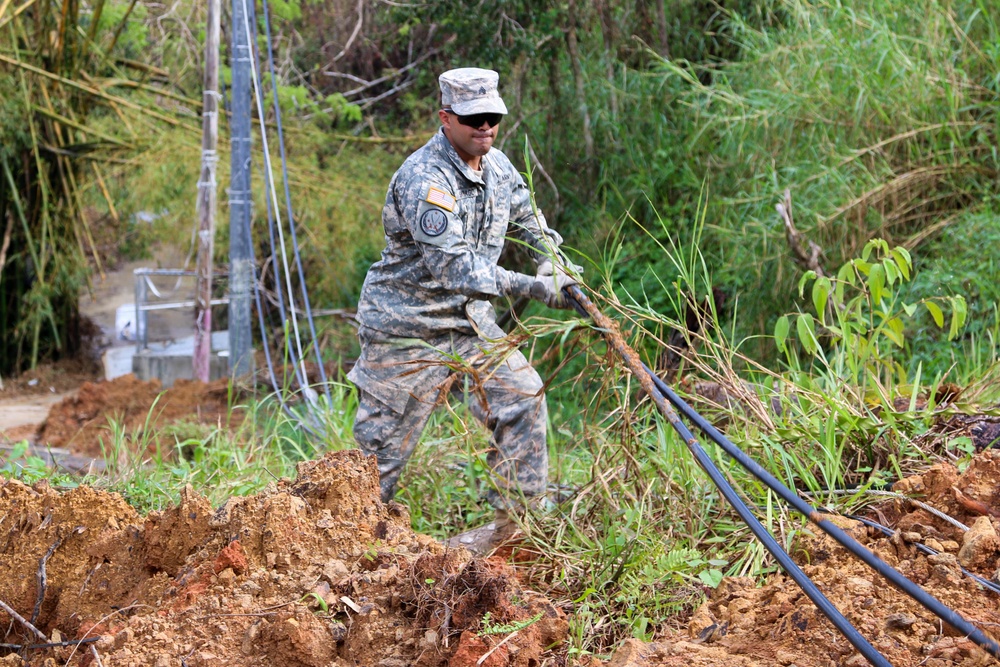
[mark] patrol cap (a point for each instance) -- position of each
(470, 90)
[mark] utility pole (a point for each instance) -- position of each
(207, 195)
(240, 205)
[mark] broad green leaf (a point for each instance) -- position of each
(846, 273)
(894, 331)
(959, 312)
(862, 266)
(781, 329)
(876, 282)
(935, 311)
(903, 261)
(909, 309)
(806, 329)
(711, 578)
(820, 295)
(891, 272)
(806, 277)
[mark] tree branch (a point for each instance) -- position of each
(796, 242)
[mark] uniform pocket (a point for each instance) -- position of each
(379, 384)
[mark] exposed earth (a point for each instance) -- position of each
(317, 571)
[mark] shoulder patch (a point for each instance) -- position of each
(440, 198)
(433, 222)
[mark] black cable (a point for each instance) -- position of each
(923, 548)
(928, 601)
(794, 571)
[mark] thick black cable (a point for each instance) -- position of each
(291, 216)
(729, 493)
(928, 601)
(923, 548)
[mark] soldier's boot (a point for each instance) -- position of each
(483, 540)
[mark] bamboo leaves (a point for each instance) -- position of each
(55, 56)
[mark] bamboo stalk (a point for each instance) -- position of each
(104, 191)
(76, 126)
(121, 26)
(128, 83)
(61, 44)
(95, 18)
(17, 12)
(83, 220)
(143, 67)
(6, 245)
(3, 7)
(72, 192)
(93, 91)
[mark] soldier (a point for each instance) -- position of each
(424, 315)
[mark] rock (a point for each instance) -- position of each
(934, 544)
(951, 546)
(784, 657)
(226, 577)
(980, 545)
(335, 571)
(900, 621)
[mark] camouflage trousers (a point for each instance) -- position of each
(400, 382)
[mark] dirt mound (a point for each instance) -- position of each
(315, 571)
(82, 423)
(742, 624)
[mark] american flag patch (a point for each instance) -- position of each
(441, 198)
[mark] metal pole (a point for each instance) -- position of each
(240, 205)
(207, 195)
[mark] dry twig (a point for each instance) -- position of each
(807, 260)
(23, 621)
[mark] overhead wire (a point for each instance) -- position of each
(282, 279)
(271, 203)
(288, 202)
(269, 179)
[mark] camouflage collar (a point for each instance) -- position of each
(445, 147)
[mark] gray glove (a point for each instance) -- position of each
(544, 288)
(549, 284)
(565, 266)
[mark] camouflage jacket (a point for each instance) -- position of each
(445, 227)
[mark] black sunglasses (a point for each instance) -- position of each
(477, 120)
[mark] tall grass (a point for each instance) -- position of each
(879, 116)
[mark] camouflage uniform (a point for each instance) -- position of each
(426, 322)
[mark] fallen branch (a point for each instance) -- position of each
(22, 620)
(807, 260)
(357, 30)
(41, 573)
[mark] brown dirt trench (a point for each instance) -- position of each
(316, 571)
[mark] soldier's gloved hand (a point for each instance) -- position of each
(549, 284)
(546, 268)
(545, 288)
